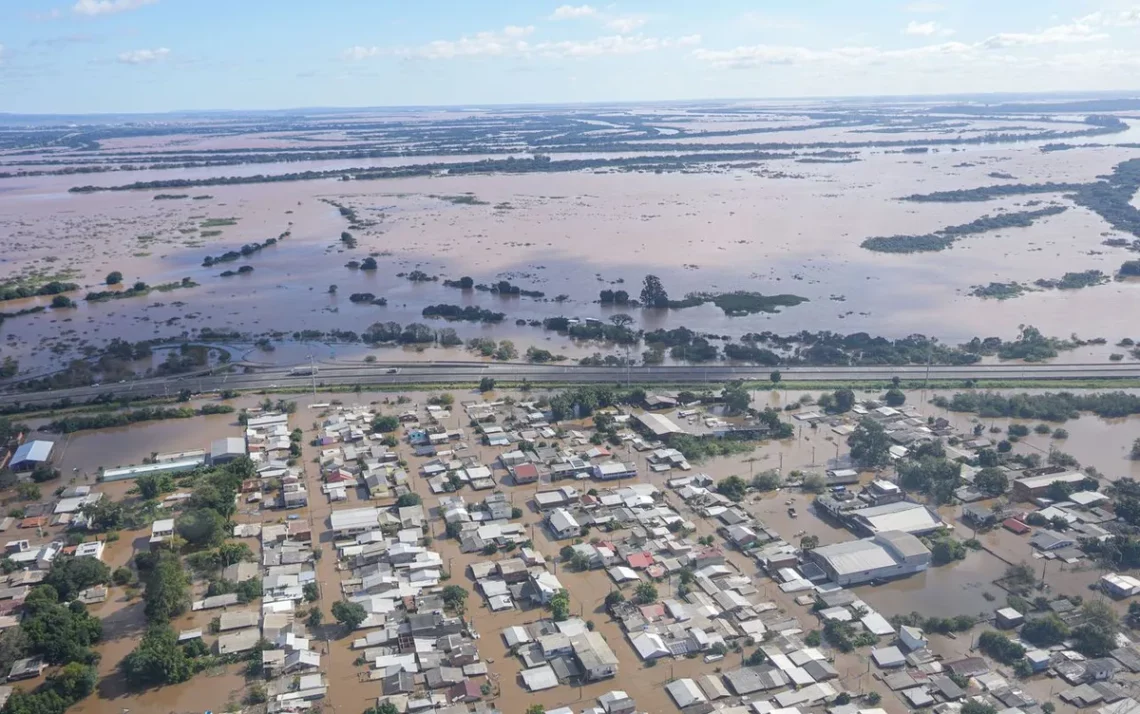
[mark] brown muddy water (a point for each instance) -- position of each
(795, 229)
(955, 589)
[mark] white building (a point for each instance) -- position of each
(890, 554)
(354, 521)
(563, 524)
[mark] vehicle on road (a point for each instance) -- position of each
(792, 512)
(392, 370)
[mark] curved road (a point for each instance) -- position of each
(470, 372)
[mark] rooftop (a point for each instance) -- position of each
(32, 452)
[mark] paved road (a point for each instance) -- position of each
(468, 372)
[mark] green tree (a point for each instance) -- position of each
(809, 542)
(736, 397)
(487, 384)
(653, 292)
(775, 377)
(614, 597)
(167, 592)
(152, 486)
(349, 614)
(991, 481)
(157, 660)
(560, 605)
(385, 424)
(1096, 636)
(974, 707)
(409, 499)
(732, 488)
(70, 576)
(231, 553)
(73, 681)
(1045, 631)
(844, 400)
(59, 633)
(202, 527)
(454, 597)
(114, 277)
(315, 618)
(311, 591)
(947, 550)
(645, 593)
(895, 397)
(1000, 647)
(870, 446)
(536, 709)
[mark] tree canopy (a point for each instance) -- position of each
(869, 444)
(157, 660)
(349, 614)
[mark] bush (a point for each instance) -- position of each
(114, 278)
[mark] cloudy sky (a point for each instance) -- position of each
(163, 55)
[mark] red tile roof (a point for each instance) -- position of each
(1015, 526)
(638, 561)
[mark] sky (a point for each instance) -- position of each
(116, 56)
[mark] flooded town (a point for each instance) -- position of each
(589, 549)
(538, 358)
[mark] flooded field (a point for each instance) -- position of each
(774, 226)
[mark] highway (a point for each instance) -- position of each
(427, 373)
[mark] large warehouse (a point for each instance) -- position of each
(913, 518)
(890, 554)
(31, 454)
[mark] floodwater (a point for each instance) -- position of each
(789, 228)
(954, 589)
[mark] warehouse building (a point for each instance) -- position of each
(31, 454)
(1030, 487)
(658, 425)
(223, 451)
(913, 518)
(890, 554)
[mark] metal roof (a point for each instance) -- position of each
(32, 451)
(659, 425)
(899, 516)
(855, 556)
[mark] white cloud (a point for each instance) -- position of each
(763, 21)
(1102, 18)
(924, 6)
(507, 41)
(511, 42)
(359, 53)
(1057, 35)
(760, 55)
(144, 56)
(926, 29)
(612, 45)
(625, 25)
(573, 12)
(108, 7)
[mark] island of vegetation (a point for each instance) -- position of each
(246, 250)
(944, 238)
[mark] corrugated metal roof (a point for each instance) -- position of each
(32, 451)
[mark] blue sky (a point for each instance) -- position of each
(82, 56)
